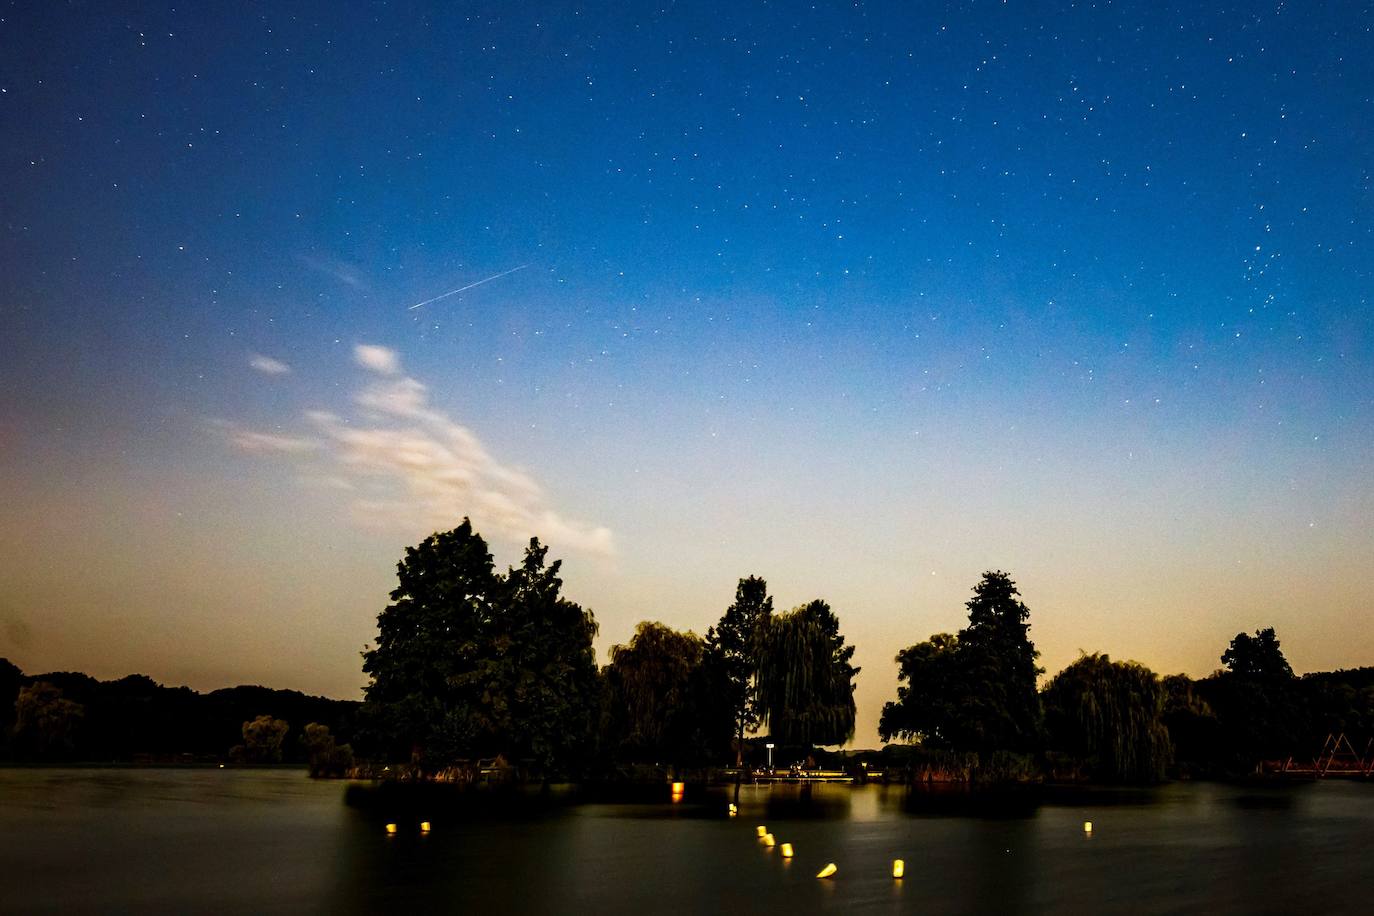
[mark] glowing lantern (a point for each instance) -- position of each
(828, 871)
(679, 788)
(1087, 826)
(391, 829)
(424, 826)
(898, 868)
(768, 840)
(786, 850)
(763, 831)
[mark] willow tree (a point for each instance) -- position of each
(661, 707)
(805, 679)
(1111, 715)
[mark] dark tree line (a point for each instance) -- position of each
(472, 665)
(968, 702)
(65, 715)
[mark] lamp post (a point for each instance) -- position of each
(769, 745)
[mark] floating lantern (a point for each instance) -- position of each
(391, 829)
(898, 868)
(768, 840)
(786, 850)
(679, 788)
(763, 831)
(1087, 826)
(424, 826)
(828, 871)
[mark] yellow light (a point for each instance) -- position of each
(898, 868)
(424, 826)
(733, 808)
(679, 788)
(391, 829)
(768, 840)
(786, 850)
(763, 831)
(1087, 826)
(828, 871)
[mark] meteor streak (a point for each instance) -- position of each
(461, 289)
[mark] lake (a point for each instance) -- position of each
(259, 841)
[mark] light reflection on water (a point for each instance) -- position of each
(239, 841)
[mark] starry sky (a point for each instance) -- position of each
(865, 298)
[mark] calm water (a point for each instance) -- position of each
(236, 841)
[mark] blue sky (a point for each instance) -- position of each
(862, 298)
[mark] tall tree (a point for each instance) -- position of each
(542, 673)
(1003, 706)
(805, 677)
(974, 691)
(1258, 701)
(1111, 715)
(470, 663)
(733, 645)
(421, 700)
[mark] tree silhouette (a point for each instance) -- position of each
(974, 691)
(1257, 656)
(657, 695)
(470, 663)
(733, 645)
(931, 687)
(805, 678)
(1111, 715)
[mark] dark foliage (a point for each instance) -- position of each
(805, 677)
(135, 718)
(1110, 715)
(974, 691)
(732, 648)
(664, 700)
(472, 664)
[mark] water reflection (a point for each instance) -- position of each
(189, 841)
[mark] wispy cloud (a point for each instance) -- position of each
(403, 463)
(271, 443)
(339, 270)
(268, 366)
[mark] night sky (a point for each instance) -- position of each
(862, 298)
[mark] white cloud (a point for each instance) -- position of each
(404, 464)
(381, 360)
(251, 441)
(268, 365)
